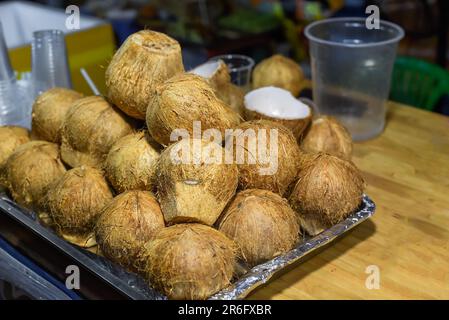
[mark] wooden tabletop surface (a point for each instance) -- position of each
(407, 240)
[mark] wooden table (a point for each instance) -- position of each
(407, 172)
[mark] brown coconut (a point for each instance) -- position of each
(278, 71)
(75, 203)
(182, 100)
(126, 223)
(131, 163)
(31, 170)
(256, 172)
(194, 190)
(326, 134)
(49, 110)
(217, 75)
(261, 223)
(11, 137)
(189, 261)
(328, 190)
(90, 128)
(146, 59)
(276, 104)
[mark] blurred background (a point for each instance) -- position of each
(206, 28)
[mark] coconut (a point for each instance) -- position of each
(49, 110)
(327, 134)
(75, 203)
(146, 59)
(130, 164)
(31, 170)
(328, 190)
(10, 138)
(126, 224)
(266, 154)
(217, 75)
(189, 261)
(193, 182)
(278, 105)
(90, 128)
(182, 100)
(278, 71)
(261, 223)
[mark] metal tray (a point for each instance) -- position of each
(132, 286)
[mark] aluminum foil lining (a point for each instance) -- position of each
(136, 288)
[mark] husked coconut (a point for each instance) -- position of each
(217, 75)
(75, 203)
(90, 128)
(131, 163)
(49, 110)
(11, 137)
(126, 223)
(278, 71)
(278, 105)
(261, 223)
(31, 170)
(328, 190)
(146, 59)
(327, 134)
(193, 182)
(189, 261)
(183, 99)
(266, 154)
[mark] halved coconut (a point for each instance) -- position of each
(278, 105)
(217, 75)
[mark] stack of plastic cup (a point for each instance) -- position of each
(11, 111)
(49, 62)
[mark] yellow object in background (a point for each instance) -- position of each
(91, 49)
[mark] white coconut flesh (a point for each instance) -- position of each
(206, 70)
(276, 103)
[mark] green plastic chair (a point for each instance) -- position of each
(418, 83)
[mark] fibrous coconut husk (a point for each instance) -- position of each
(278, 71)
(146, 59)
(126, 223)
(31, 170)
(328, 190)
(11, 137)
(194, 191)
(217, 75)
(131, 163)
(326, 134)
(189, 261)
(273, 178)
(75, 203)
(90, 128)
(182, 100)
(49, 110)
(261, 223)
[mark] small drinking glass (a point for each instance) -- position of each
(240, 68)
(50, 67)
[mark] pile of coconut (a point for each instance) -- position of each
(215, 181)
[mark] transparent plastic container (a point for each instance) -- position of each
(351, 71)
(50, 67)
(240, 68)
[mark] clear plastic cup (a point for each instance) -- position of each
(6, 71)
(50, 67)
(351, 71)
(240, 68)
